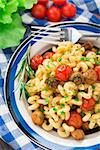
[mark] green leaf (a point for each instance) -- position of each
(54, 109)
(27, 3)
(66, 97)
(76, 99)
(59, 59)
(42, 110)
(11, 34)
(7, 10)
(47, 100)
(62, 104)
(82, 114)
(2, 4)
(62, 112)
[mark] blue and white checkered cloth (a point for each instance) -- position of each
(9, 131)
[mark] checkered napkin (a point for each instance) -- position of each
(9, 131)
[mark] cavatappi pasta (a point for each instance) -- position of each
(65, 92)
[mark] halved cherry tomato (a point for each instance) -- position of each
(75, 120)
(68, 10)
(54, 14)
(88, 104)
(47, 55)
(97, 69)
(39, 11)
(59, 2)
(43, 1)
(63, 72)
(35, 61)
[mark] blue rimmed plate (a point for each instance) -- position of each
(18, 108)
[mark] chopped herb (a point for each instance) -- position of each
(54, 109)
(65, 97)
(82, 91)
(62, 112)
(48, 66)
(59, 59)
(97, 102)
(62, 104)
(46, 89)
(51, 58)
(82, 114)
(73, 107)
(92, 60)
(76, 99)
(98, 111)
(87, 59)
(91, 112)
(49, 81)
(98, 52)
(75, 92)
(41, 109)
(93, 87)
(97, 63)
(82, 58)
(48, 74)
(47, 100)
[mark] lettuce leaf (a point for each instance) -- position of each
(11, 34)
(11, 28)
(7, 8)
(7, 11)
(27, 4)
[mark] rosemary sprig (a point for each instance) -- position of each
(29, 71)
(23, 67)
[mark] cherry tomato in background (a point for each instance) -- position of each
(63, 72)
(47, 55)
(44, 2)
(54, 14)
(68, 10)
(88, 104)
(39, 11)
(59, 2)
(97, 69)
(75, 120)
(35, 61)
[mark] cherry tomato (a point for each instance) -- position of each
(54, 14)
(39, 11)
(63, 72)
(47, 55)
(88, 104)
(35, 61)
(43, 1)
(59, 2)
(97, 69)
(68, 10)
(75, 120)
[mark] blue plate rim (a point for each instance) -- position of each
(7, 99)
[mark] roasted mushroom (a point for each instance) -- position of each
(52, 82)
(88, 45)
(77, 78)
(90, 76)
(78, 134)
(85, 126)
(38, 117)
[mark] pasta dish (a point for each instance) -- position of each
(64, 91)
